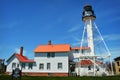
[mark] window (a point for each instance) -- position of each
(88, 13)
(76, 51)
(18, 65)
(72, 67)
(48, 55)
(59, 65)
(13, 65)
(97, 69)
(89, 67)
(48, 66)
(52, 54)
(41, 66)
(118, 64)
(23, 65)
(30, 66)
(82, 51)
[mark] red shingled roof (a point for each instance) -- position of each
(80, 48)
(23, 58)
(53, 48)
(88, 62)
(1, 60)
(20, 57)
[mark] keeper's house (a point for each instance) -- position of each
(49, 60)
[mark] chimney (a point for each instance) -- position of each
(49, 42)
(21, 51)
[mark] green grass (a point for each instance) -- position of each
(6, 77)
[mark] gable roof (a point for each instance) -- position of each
(80, 48)
(20, 56)
(88, 62)
(85, 62)
(53, 48)
(23, 58)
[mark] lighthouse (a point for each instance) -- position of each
(88, 17)
(93, 61)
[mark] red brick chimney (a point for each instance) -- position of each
(49, 42)
(21, 51)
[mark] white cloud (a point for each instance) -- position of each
(109, 37)
(77, 41)
(76, 38)
(76, 44)
(115, 52)
(112, 37)
(75, 28)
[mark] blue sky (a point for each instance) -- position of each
(29, 23)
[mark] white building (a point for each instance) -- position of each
(18, 60)
(52, 59)
(49, 60)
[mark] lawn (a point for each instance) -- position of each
(6, 77)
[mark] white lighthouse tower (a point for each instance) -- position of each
(88, 17)
(93, 62)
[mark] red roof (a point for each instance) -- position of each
(20, 57)
(1, 60)
(53, 48)
(23, 58)
(88, 62)
(79, 48)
